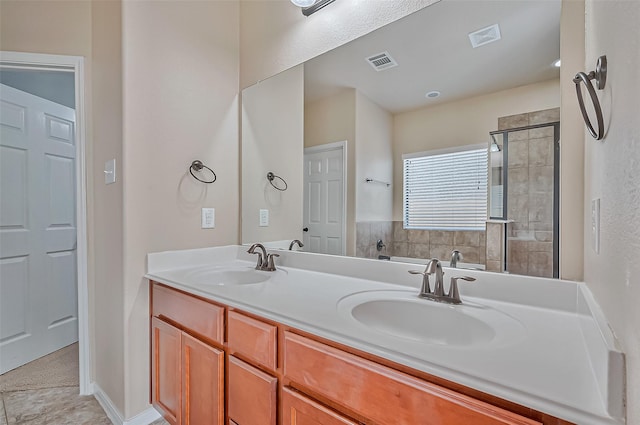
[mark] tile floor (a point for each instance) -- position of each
(54, 405)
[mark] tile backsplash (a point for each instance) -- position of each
(423, 244)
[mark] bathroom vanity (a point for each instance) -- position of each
(231, 344)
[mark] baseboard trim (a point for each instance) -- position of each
(144, 418)
(115, 416)
(107, 405)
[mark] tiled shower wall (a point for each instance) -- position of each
(367, 235)
(530, 193)
(422, 244)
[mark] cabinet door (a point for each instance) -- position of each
(252, 394)
(165, 370)
(202, 383)
(300, 410)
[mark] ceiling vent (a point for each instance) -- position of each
(382, 61)
(485, 36)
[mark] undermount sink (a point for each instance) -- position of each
(404, 315)
(225, 276)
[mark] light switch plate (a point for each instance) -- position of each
(595, 225)
(110, 171)
(208, 218)
(264, 218)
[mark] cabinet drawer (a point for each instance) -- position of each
(252, 394)
(382, 394)
(300, 410)
(197, 315)
(253, 339)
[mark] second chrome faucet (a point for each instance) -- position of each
(437, 294)
(265, 261)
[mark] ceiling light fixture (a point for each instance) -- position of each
(432, 94)
(557, 63)
(303, 3)
(311, 6)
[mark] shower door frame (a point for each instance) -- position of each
(556, 185)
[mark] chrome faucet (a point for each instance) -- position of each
(294, 242)
(435, 268)
(265, 261)
(455, 257)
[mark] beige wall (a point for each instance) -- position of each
(276, 36)
(180, 80)
(463, 122)
(108, 351)
(329, 120)
(91, 30)
(272, 141)
(571, 142)
(612, 174)
(374, 159)
(35, 26)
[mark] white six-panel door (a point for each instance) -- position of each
(38, 282)
(324, 201)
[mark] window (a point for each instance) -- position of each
(446, 190)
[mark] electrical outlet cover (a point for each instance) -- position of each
(208, 218)
(264, 218)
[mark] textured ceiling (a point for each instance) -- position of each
(433, 51)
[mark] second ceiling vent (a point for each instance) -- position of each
(485, 36)
(382, 61)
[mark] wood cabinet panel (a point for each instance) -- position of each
(300, 410)
(192, 313)
(252, 394)
(380, 393)
(253, 339)
(202, 383)
(165, 367)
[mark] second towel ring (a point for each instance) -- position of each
(197, 166)
(600, 76)
(271, 177)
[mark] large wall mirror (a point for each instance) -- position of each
(436, 136)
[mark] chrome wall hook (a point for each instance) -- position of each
(600, 77)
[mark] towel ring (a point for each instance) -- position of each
(197, 166)
(600, 76)
(271, 177)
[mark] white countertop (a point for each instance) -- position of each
(551, 366)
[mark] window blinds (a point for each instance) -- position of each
(446, 191)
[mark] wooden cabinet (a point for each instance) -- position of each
(276, 376)
(187, 374)
(165, 369)
(202, 383)
(382, 394)
(252, 394)
(200, 317)
(300, 410)
(252, 339)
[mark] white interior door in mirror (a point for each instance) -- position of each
(324, 206)
(38, 295)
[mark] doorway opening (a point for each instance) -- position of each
(43, 254)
